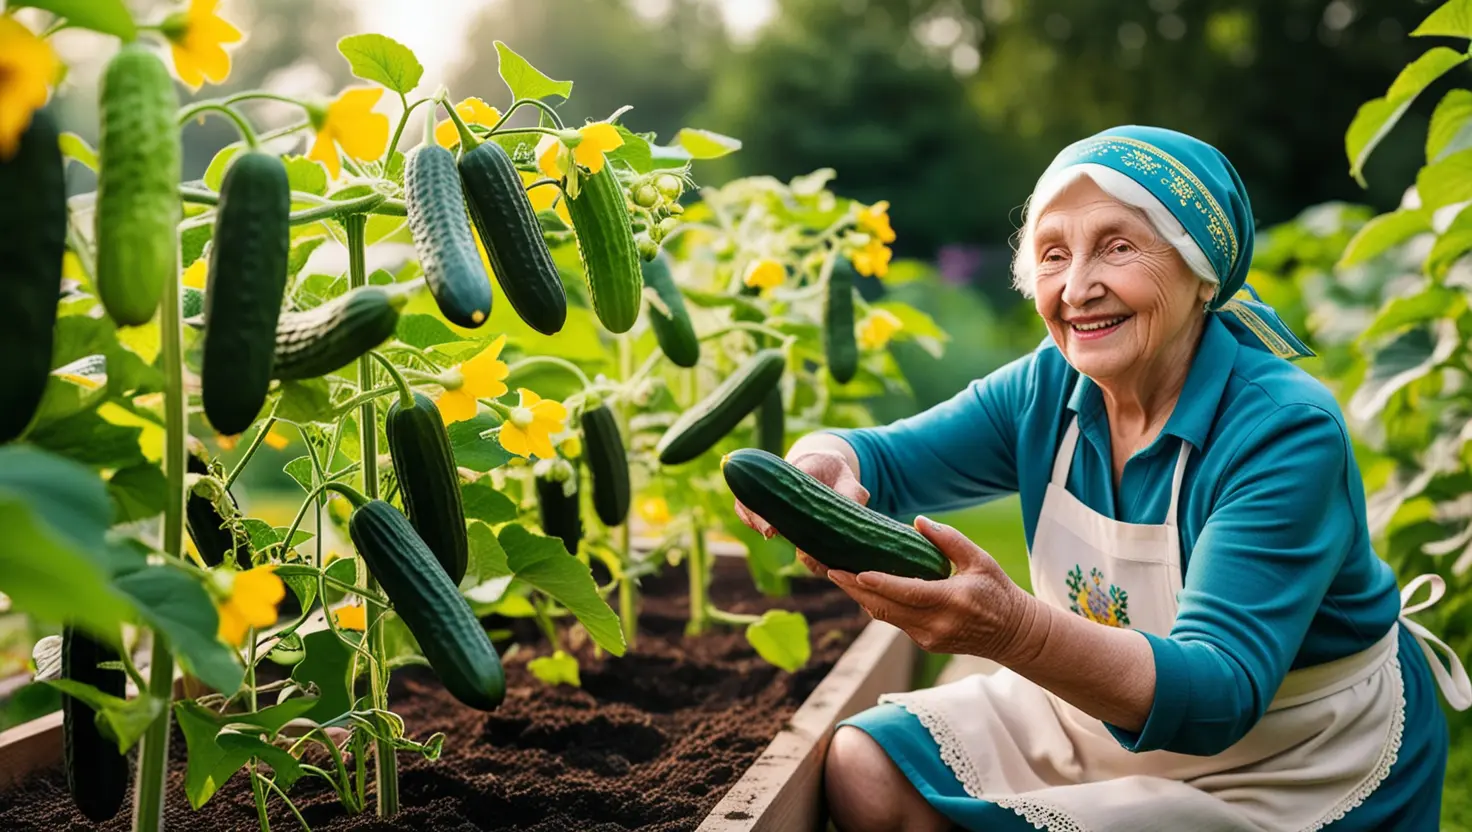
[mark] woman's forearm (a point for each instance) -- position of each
(1106, 672)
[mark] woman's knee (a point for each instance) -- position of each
(867, 792)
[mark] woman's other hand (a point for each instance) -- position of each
(830, 467)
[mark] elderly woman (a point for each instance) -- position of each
(1212, 642)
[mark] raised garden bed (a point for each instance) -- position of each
(680, 734)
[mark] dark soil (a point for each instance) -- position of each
(651, 741)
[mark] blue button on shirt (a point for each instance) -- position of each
(1278, 566)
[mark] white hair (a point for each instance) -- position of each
(1118, 186)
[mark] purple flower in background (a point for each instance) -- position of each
(958, 263)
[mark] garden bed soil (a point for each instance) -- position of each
(651, 741)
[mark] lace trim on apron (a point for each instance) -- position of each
(1388, 756)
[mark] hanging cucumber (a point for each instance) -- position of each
(559, 510)
(702, 426)
(242, 301)
(316, 342)
(96, 774)
(674, 332)
(206, 527)
(138, 209)
(608, 465)
(512, 235)
(33, 216)
(428, 481)
(441, 231)
(839, 344)
(605, 235)
(771, 423)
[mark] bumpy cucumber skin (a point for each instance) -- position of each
(428, 481)
(512, 235)
(138, 208)
(702, 426)
(441, 230)
(96, 774)
(605, 235)
(316, 342)
(608, 465)
(451, 637)
(205, 525)
(675, 334)
(771, 423)
(247, 278)
(559, 512)
(839, 342)
(836, 531)
(32, 245)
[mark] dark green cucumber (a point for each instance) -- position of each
(608, 465)
(512, 235)
(559, 512)
(839, 344)
(138, 207)
(452, 267)
(428, 481)
(836, 531)
(96, 774)
(242, 300)
(771, 423)
(702, 426)
(316, 342)
(211, 539)
(448, 633)
(605, 234)
(32, 244)
(674, 332)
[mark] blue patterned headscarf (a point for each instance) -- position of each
(1196, 183)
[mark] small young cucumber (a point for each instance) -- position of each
(605, 235)
(32, 244)
(96, 774)
(674, 332)
(206, 527)
(441, 231)
(512, 235)
(705, 424)
(138, 208)
(242, 301)
(836, 531)
(608, 465)
(449, 634)
(316, 342)
(840, 346)
(428, 481)
(560, 512)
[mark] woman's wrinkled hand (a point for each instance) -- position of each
(827, 467)
(977, 611)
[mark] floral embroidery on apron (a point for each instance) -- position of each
(1090, 601)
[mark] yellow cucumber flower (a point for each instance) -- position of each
(543, 196)
(571, 447)
(471, 111)
(873, 259)
(194, 277)
(877, 328)
(482, 377)
(654, 510)
(764, 274)
(874, 220)
(197, 38)
(27, 67)
(529, 428)
(352, 617)
(594, 140)
(349, 123)
(252, 602)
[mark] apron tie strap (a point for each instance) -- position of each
(1455, 685)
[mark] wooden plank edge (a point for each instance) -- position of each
(782, 789)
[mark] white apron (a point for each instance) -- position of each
(1328, 739)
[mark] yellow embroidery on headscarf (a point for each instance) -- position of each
(1264, 333)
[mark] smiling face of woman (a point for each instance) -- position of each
(1118, 299)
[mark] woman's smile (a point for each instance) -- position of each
(1095, 327)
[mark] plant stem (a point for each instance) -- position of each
(554, 360)
(627, 592)
(247, 132)
(198, 197)
(545, 107)
(260, 795)
(289, 805)
(347, 207)
(387, 765)
(697, 568)
(255, 443)
(406, 393)
(404, 122)
(368, 396)
(720, 616)
(746, 325)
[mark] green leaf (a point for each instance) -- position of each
(544, 563)
(1377, 117)
(262, 535)
(487, 558)
(424, 331)
(300, 253)
(486, 504)
(1384, 233)
(1447, 181)
(1454, 242)
(382, 60)
(303, 174)
(704, 144)
(1451, 125)
(192, 242)
(634, 152)
(781, 637)
(1431, 303)
(301, 470)
(214, 175)
(344, 570)
(76, 147)
(90, 439)
(138, 491)
(399, 645)
(210, 763)
(285, 769)
(110, 17)
(765, 559)
(327, 665)
(306, 401)
(175, 603)
(1454, 19)
(524, 80)
(124, 720)
(470, 450)
(1409, 357)
(28, 702)
(556, 669)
